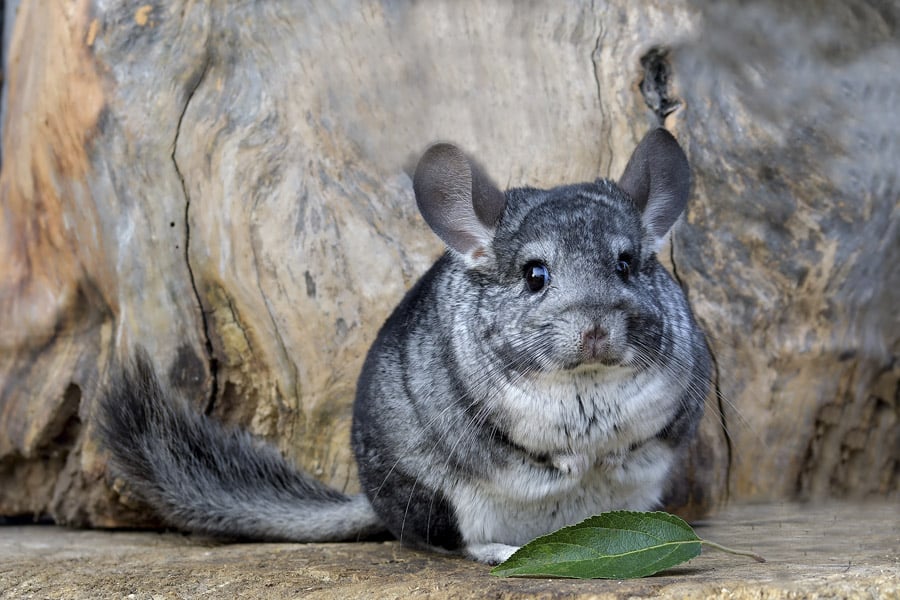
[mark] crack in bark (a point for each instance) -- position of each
(213, 362)
(723, 423)
(595, 62)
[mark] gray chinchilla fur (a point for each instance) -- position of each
(545, 369)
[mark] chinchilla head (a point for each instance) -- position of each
(565, 278)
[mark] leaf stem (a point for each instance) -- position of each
(752, 555)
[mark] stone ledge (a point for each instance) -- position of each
(825, 551)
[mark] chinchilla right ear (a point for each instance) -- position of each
(458, 201)
(658, 179)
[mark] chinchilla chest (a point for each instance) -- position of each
(577, 444)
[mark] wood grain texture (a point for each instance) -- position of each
(791, 256)
(228, 185)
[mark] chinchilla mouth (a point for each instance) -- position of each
(593, 364)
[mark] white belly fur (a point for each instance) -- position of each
(527, 502)
(595, 471)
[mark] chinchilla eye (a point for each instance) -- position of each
(623, 266)
(537, 276)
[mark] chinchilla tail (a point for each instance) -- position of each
(201, 476)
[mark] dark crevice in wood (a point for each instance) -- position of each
(655, 84)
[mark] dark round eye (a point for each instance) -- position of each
(623, 266)
(537, 276)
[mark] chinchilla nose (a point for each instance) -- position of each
(594, 342)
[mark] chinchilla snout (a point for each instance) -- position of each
(595, 343)
(597, 336)
(598, 347)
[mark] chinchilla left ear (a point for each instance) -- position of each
(658, 179)
(458, 201)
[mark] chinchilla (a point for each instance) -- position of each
(545, 369)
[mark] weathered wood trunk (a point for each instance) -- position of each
(227, 184)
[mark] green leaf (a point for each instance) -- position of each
(613, 545)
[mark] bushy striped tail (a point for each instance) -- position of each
(201, 476)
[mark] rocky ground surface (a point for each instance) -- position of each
(823, 551)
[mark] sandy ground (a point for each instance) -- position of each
(826, 551)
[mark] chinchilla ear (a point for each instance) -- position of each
(458, 200)
(658, 179)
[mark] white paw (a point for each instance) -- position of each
(491, 554)
(575, 465)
